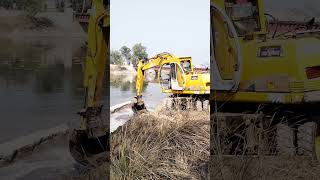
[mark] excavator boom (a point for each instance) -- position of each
(144, 65)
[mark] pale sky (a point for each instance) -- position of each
(180, 27)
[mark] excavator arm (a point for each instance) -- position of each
(138, 104)
(89, 142)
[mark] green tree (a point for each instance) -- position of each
(33, 7)
(126, 53)
(139, 53)
(116, 58)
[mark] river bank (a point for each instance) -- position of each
(45, 153)
(125, 70)
(47, 157)
(16, 25)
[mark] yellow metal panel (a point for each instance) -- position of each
(96, 54)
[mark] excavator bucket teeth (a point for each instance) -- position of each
(88, 151)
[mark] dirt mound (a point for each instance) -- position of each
(23, 23)
(162, 145)
(121, 69)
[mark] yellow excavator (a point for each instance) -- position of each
(252, 70)
(89, 144)
(176, 76)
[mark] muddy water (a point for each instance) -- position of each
(122, 89)
(41, 85)
(41, 88)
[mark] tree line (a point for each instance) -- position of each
(128, 56)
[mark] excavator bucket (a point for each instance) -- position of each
(88, 151)
(90, 145)
(138, 106)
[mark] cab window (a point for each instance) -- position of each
(244, 14)
(186, 65)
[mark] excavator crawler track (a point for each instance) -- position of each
(185, 104)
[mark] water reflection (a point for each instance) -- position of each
(125, 82)
(38, 64)
(49, 79)
(123, 89)
(40, 84)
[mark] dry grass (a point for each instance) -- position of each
(162, 145)
(266, 153)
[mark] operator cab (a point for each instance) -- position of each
(172, 75)
(233, 24)
(245, 15)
